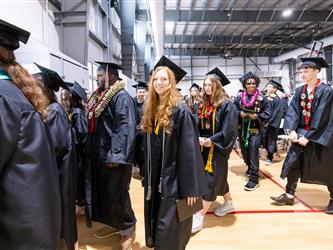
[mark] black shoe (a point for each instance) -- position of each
(329, 209)
(283, 199)
(251, 186)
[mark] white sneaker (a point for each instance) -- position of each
(224, 209)
(197, 222)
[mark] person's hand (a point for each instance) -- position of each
(252, 116)
(207, 143)
(191, 200)
(266, 125)
(293, 136)
(242, 114)
(302, 141)
(201, 140)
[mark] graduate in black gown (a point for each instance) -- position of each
(217, 123)
(30, 203)
(62, 138)
(254, 112)
(271, 129)
(78, 119)
(193, 101)
(139, 100)
(309, 120)
(112, 131)
(173, 163)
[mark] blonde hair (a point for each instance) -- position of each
(218, 93)
(155, 109)
(23, 80)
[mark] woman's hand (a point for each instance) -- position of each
(191, 200)
(201, 140)
(207, 143)
(242, 114)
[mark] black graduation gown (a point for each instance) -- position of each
(226, 122)
(251, 153)
(183, 176)
(63, 142)
(317, 156)
(79, 125)
(270, 133)
(138, 141)
(30, 205)
(113, 141)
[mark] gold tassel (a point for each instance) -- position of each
(209, 164)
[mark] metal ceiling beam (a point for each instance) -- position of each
(247, 16)
(218, 52)
(224, 40)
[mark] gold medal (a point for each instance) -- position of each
(303, 96)
(304, 112)
(302, 103)
(308, 105)
(308, 114)
(310, 96)
(207, 125)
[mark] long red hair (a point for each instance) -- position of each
(23, 80)
(155, 108)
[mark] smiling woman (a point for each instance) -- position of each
(170, 130)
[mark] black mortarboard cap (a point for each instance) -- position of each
(194, 85)
(51, 78)
(318, 61)
(79, 91)
(141, 85)
(11, 35)
(178, 71)
(223, 79)
(179, 89)
(248, 75)
(110, 67)
(276, 84)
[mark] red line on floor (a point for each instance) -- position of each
(296, 197)
(273, 211)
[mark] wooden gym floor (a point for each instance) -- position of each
(257, 222)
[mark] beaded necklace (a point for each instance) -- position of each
(306, 103)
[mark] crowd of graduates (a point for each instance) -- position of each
(80, 152)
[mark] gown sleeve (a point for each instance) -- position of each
(224, 139)
(266, 112)
(123, 131)
(79, 124)
(10, 121)
(321, 130)
(190, 166)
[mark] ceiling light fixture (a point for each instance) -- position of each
(287, 12)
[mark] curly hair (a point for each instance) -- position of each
(218, 92)
(154, 108)
(24, 81)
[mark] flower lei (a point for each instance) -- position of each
(307, 106)
(99, 101)
(245, 102)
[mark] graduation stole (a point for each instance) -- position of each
(157, 126)
(4, 75)
(307, 106)
(99, 101)
(204, 114)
